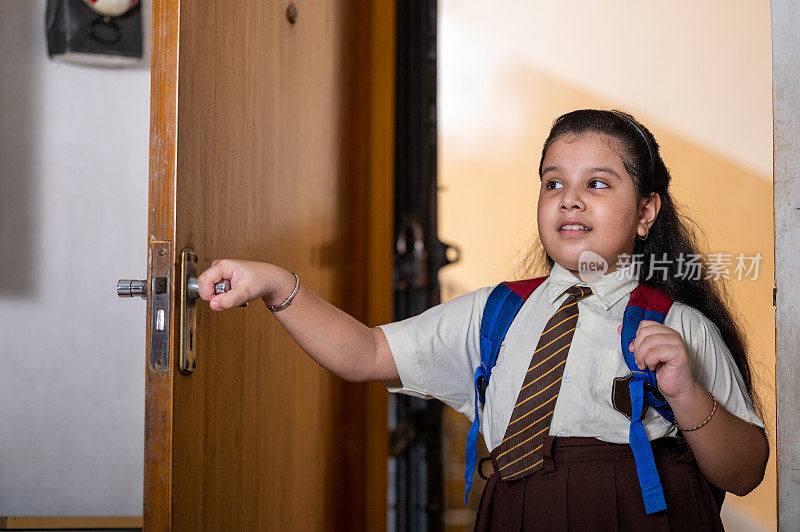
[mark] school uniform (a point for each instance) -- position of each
(436, 354)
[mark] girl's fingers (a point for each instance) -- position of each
(639, 356)
(644, 346)
(652, 340)
(228, 300)
(658, 355)
(660, 348)
(220, 269)
(649, 357)
(646, 329)
(649, 361)
(658, 338)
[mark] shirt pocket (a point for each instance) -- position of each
(612, 365)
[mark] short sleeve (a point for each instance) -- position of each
(711, 361)
(437, 352)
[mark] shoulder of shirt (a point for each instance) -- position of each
(477, 297)
(692, 318)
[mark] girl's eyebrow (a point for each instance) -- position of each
(593, 170)
(549, 168)
(606, 170)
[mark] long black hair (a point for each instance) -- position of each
(672, 234)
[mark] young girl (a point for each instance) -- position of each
(604, 190)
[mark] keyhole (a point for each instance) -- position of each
(191, 340)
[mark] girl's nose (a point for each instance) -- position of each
(571, 200)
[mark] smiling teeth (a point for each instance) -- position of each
(573, 227)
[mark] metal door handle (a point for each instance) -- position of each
(220, 288)
(136, 287)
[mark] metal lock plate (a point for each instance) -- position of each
(158, 300)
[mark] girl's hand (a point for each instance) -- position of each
(249, 281)
(662, 350)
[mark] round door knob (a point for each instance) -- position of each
(193, 288)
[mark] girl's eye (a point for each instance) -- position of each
(599, 182)
(548, 187)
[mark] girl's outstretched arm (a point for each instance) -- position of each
(334, 339)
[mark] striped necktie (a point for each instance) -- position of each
(521, 448)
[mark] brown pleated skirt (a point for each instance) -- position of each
(588, 484)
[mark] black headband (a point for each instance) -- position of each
(647, 142)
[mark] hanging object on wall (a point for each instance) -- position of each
(90, 32)
(112, 8)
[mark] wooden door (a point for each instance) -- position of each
(270, 140)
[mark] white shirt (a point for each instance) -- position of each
(437, 352)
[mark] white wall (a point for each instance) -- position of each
(73, 219)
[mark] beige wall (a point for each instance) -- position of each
(697, 74)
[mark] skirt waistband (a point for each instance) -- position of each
(558, 449)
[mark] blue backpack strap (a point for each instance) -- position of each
(646, 303)
(501, 308)
(653, 304)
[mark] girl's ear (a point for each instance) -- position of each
(648, 210)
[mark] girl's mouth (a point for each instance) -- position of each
(573, 230)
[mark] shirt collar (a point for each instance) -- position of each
(608, 288)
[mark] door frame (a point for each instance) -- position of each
(786, 183)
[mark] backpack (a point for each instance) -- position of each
(646, 303)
